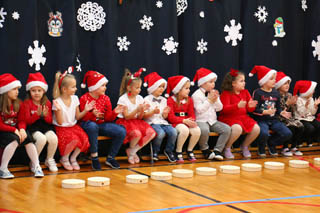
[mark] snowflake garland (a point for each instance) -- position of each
(233, 32)
(304, 5)
(91, 16)
(274, 43)
(261, 14)
(37, 55)
(316, 45)
(2, 18)
(159, 4)
(182, 5)
(146, 22)
(169, 45)
(202, 46)
(15, 15)
(123, 43)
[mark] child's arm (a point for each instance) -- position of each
(57, 110)
(131, 115)
(191, 113)
(150, 113)
(315, 106)
(201, 106)
(47, 112)
(87, 108)
(227, 106)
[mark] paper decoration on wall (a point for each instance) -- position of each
(182, 5)
(159, 4)
(91, 16)
(304, 5)
(15, 15)
(78, 66)
(2, 18)
(201, 14)
(202, 46)
(123, 43)
(37, 55)
(146, 22)
(279, 28)
(316, 45)
(233, 32)
(274, 43)
(169, 45)
(261, 14)
(55, 24)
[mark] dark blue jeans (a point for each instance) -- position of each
(281, 134)
(162, 131)
(115, 131)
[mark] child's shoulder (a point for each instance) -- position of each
(197, 92)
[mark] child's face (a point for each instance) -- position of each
(13, 94)
(185, 90)
(135, 88)
(285, 87)
(271, 82)
(101, 90)
(209, 85)
(159, 90)
(239, 83)
(71, 87)
(36, 93)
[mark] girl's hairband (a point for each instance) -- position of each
(136, 75)
(233, 72)
(68, 71)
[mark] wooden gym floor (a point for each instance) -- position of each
(288, 190)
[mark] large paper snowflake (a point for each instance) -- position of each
(169, 45)
(37, 55)
(15, 15)
(304, 5)
(146, 22)
(233, 32)
(159, 4)
(316, 45)
(2, 18)
(202, 46)
(91, 16)
(181, 6)
(123, 43)
(261, 14)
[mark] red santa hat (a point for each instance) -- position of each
(305, 88)
(175, 84)
(203, 75)
(264, 73)
(153, 81)
(94, 80)
(36, 79)
(281, 79)
(8, 82)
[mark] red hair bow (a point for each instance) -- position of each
(233, 72)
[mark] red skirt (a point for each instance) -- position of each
(70, 138)
(134, 125)
(246, 122)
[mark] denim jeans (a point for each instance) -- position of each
(281, 134)
(162, 131)
(115, 131)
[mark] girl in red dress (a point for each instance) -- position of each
(237, 102)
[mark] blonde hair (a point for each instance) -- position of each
(64, 83)
(125, 81)
(4, 104)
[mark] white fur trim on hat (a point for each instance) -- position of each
(10, 86)
(282, 81)
(179, 86)
(98, 84)
(156, 85)
(267, 76)
(310, 90)
(207, 78)
(37, 84)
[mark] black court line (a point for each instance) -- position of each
(192, 192)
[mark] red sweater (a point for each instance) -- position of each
(28, 113)
(103, 105)
(9, 122)
(186, 108)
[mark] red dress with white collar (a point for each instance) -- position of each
(180, 111)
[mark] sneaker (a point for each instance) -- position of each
(112, 163)
(208, 154)
(191, 156)
(155, 157)
(6, 174)
(170, 156)
(38, 171)
(286, 152)
(272, 150)
(95, 163)
(245, 152)
(217, 155)
(262, 155)
(310, 144)
(180, 157)
(51, 164)
(296, 152)
(228, 154)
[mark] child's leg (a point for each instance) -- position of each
(156, 142)
(92, 129)
(33, 155)
(65, 162)
(52, 144)
(316, 134)
(224, 132)
(263, 138)
(183, 134)
(40, 141)
(195, 135)
(282, 133)
(133, 145)
(308, 131)
(236, 131)
(8, 153)
(251, 136)
(73, 159)
(204, 137)
(171, 137)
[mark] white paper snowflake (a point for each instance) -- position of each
(146, 22)
(159, 4)
(304, 5)
(233, 32)
(201, 14)
(2, 18)
(181, 6)
(169, 45)
(202, 46)
(316, 45)
(91, 16)
(261, 14)
(78, 67)
(274, 43)
(123, 43)
(15, 15)
(37, 55)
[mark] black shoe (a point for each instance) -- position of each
(95, 163)
(272, 150)
(208, 154)
(155, 157)
(170, 156)
(112, 163)
(218, 155)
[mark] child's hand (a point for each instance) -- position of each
(57, 105)
(166, 110)
(307, 103)
(23, 135)
(286, 114)
(213, 96)
(97, 113)
(292, 100)
(89, 106)
(39, 110)
(317, 102)
(18, 134)
(156, 110)
(270, 111)
(140, 107)
(242, 104)
(252, 103)
(190, 123)
(145, 107)
(45, 110)
(119, 109)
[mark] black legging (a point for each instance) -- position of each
(311, 130)
(297, 133)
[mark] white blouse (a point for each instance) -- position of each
(124, 101)
(68, 113)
